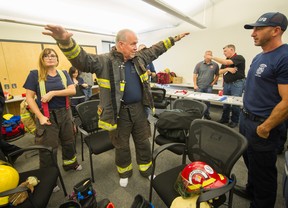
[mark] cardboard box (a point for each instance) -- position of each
(177, 80)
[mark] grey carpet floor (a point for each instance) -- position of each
(107, 181)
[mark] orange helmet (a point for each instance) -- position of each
(198, 177)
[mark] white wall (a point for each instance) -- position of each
(225, 24)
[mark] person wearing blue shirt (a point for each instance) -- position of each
(265, 109)
(55, 127)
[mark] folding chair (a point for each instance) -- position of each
(96, 139)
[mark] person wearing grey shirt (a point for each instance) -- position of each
(88, 78)
(206, 74)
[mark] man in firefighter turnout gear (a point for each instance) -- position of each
(125, 91)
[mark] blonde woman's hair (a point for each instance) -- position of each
(42, 67)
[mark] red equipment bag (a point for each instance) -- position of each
(163, 78)
(12, 129)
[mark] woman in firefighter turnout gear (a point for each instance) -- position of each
(125, 91)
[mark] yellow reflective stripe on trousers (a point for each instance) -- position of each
(123, 170)
(105, 83)
(144, 167)
(106, 126)
(69, 162)
(167, 43)
(73, 53)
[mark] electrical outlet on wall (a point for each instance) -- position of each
(14, 85)
(6, 86)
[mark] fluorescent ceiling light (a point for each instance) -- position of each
(98, 16)
(170, 10)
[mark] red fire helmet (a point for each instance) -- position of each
(198, 177)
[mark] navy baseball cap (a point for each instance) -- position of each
(273, 19)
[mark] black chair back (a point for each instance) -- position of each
(87, 112)
(216, 144)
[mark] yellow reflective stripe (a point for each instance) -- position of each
(167, 43)
(42, 88)
(63, 77)
(221, 176)
(69, 162)
(144, 77)
(29, 130)
(73, 53)
(122, 86)
(153, 110)
(123, 170)
(105, 83)
(204, 184)
(25, 115)
(144, 167)
(42, 83)
(106, 126)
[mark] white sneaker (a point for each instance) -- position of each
(56, 189)
(149, 177)
(123, 182)
(79, 167)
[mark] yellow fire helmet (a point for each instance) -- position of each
(9, 179)
(7, 116)
(188, 202)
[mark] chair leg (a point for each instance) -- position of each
(62, 183)
(230, 199)
(184, 157)
(82, 148)
(151, 182)
(91, 166)
(153, 138)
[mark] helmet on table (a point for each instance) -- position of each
(198, 177)
(9, 179)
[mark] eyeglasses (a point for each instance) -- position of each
(52, 56)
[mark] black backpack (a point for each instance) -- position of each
(140, 202)
(174, 124)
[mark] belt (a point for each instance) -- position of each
(252, 117)
(126, 105)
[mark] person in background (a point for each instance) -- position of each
(206, 74)
(233, 70)
(80, 86)
(265, 109)
(88, 79)
(5, 147)
(125, 91)
(53, 125)
(150, 67)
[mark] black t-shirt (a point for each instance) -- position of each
(239, 62)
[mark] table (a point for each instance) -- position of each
(191, 86)
(14, 104)
(190, 94)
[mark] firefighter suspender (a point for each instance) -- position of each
(43, 92)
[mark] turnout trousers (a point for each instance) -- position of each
(59, 132)
(132, 121)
